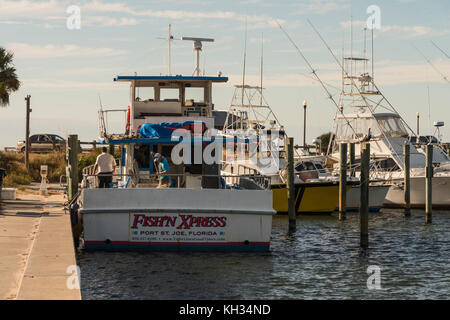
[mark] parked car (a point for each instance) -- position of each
(43, 143)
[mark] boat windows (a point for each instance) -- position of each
(300, 167)
(388, 164)
(194, 94)
(169, 94)
(310, 166)
(392, 127)
(145, 94)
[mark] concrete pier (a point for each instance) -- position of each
(36, 249)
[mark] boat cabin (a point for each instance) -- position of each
(358, 127)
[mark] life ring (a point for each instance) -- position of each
(127, 129)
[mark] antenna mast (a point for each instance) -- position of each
(262, 66)
(170, 38)
(197, 48)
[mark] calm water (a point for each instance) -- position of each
(321, 260)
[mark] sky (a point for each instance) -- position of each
(66, 69)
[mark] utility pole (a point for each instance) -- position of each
(27, 132)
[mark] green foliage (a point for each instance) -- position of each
(17, 174)
(8, 77)
(325, 139)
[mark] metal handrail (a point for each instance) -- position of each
(261, 180)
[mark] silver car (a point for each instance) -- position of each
(43, 143)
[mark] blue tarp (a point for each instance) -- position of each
(165, 129)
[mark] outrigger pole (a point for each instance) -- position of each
(361, 94)
(431, 64)
(313, 71)
(445, 53)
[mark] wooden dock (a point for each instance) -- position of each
(36, 249)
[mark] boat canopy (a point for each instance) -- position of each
(170, 78)
(358, 126)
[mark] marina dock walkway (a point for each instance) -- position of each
(36, 249)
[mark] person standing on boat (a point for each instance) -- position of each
(163, 169)
(105, 165)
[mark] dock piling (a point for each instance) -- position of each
(72, 159)
(352, 159)
(428, 184)
(290, 185)
(407, 183)
(342, 180)
(364, 200)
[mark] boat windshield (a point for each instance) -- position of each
(356, 128)
(392, 127)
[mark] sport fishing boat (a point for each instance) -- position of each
(172, 116)
(260, 150)
(374, 120)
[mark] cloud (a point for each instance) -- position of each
(30, 9)
(387, 73)
(321, 6)
(406, 32)
(25, 50)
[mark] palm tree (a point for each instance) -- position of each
(8, 77)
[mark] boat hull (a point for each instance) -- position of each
(377, 196)
(440, 198)
(310, 198)
(177, 219)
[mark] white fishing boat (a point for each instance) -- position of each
(172, 116)
(374, 120)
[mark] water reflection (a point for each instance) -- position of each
(321, 260)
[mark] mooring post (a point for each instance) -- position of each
(352, 159)
(290, 185)
(72, 179)
(428, 184)
(111, 149)
(342, 180)
(364, 200)
(406, 182)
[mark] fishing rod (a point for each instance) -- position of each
(352, 80)
(361, 94)
(445, 53)
(313, 71)
(431, 64)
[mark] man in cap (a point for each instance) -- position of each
(163, 168)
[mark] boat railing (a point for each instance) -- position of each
(186, 180)
(253, 174)
(89, 170)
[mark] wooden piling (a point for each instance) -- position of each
(290, 185)
(406, 179)
(342, 180)
(72, 179)
(364, 200)
(428, 184)
(352, 159)
(111, 149)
